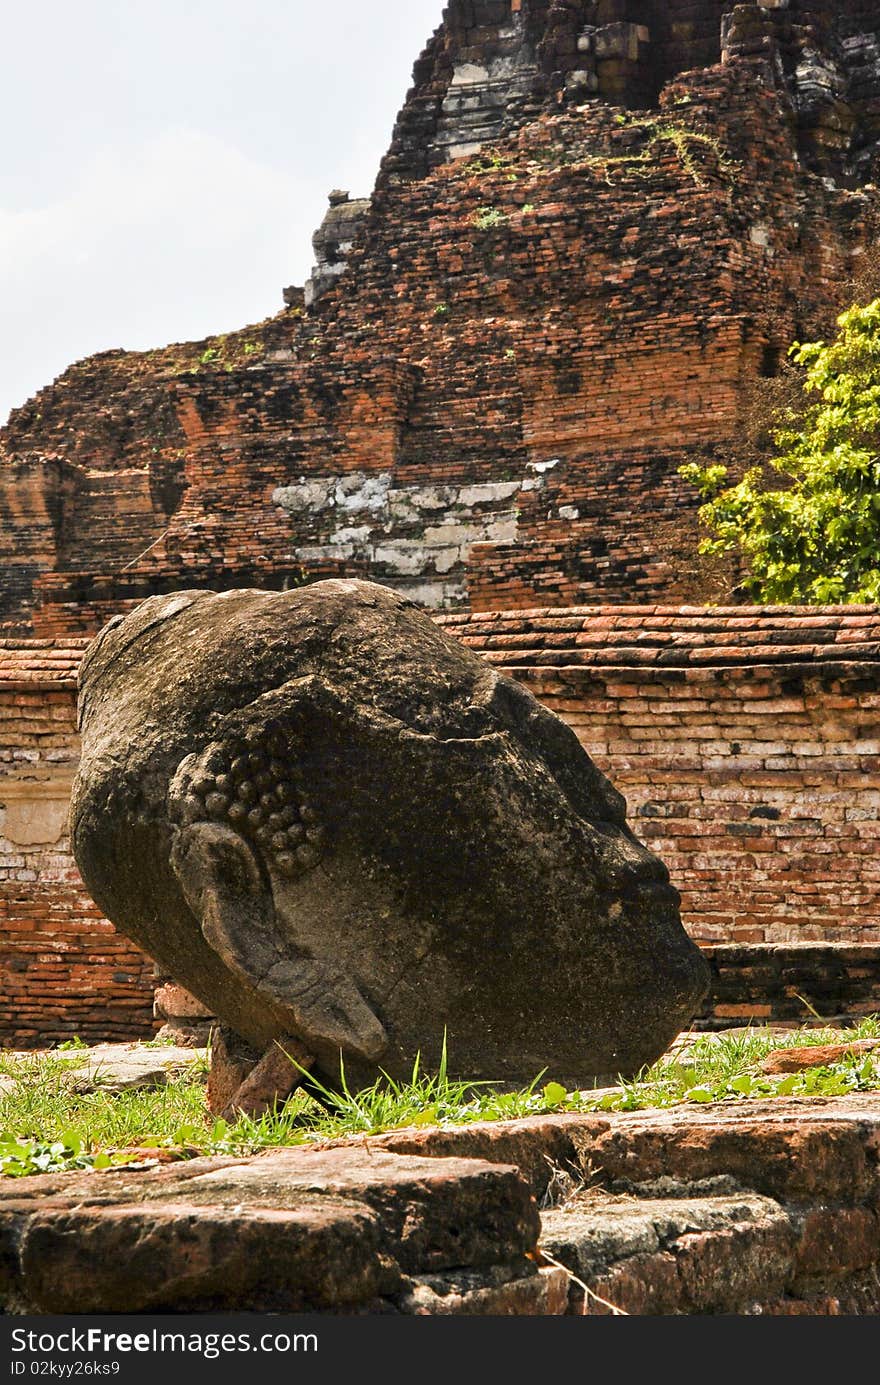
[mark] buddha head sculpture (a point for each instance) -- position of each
(328, 819)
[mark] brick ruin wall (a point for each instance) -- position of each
(598, 223)
(745, 741)
(64, 971)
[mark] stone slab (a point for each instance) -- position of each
(672, 1255)
(132, 1067)
(720, 1253)
(795, 1149)
(289, 1231)
(118, 1067)
(798, 1151)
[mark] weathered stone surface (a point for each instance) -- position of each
(792, 1150)
(117, 1067)
(668, 1256)
(755, 1208)
(129, 1067)
(133, 1067)
(187, 1034)
(796, 1150)
(271, 1081)
(232, 1060)
(764, 1208)
(332, 243)
(328, 819)
(540, 1146)
(294, 1230)
(545, 1294)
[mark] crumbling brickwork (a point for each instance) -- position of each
(597, 223)
(745, 741)
(64, 971)
(790, 984)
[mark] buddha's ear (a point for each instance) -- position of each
(231, 896)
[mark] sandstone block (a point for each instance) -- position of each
(291, 1231)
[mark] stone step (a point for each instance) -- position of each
(796, 1151)
(752, 1207)
(743, 1208)
(724, 1254)
(299, 1230)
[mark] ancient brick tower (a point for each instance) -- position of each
(597, 222)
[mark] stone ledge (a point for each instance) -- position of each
(291, 1231)
(750, 1208)
(734, 1253)
(772, 983)
(793, 1149)
(745, 1208)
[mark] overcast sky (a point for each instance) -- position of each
(165, 165)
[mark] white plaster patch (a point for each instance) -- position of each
(502, 531)
(409, 504)
(319, 553)
(34, 822)
(411, 531)
(469, 75)
(406, 556)
(356, 536)
(357, 493)
(437, 596)
(306, 495)
(442, 534)
(470, 496)
(446, 559)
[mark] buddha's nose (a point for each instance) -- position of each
(625, 863)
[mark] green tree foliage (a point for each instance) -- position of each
(808, 526)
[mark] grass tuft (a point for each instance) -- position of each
(49, 1124)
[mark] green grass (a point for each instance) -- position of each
(22, 1066)
(485, 218)
(47, 1124)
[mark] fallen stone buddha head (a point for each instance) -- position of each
(327, 818)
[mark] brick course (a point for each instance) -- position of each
(64, 970)
(746, 743)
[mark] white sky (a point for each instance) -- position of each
(164, 165)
